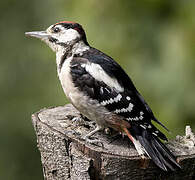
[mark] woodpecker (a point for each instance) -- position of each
(100, 89)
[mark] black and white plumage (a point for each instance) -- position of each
(100, 89)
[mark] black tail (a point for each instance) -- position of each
(157, 151)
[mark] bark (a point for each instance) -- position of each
(64, 155)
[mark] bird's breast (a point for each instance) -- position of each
(66, 79)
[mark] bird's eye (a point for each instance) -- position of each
(56, 30)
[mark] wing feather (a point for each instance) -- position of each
(113, 89)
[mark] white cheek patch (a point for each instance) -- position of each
(99, 74)
(68, 35)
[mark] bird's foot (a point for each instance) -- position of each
(78, 120)
(83, 121)
(88, 139)
(96, 142)
(72, 132)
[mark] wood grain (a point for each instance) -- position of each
(64, 155)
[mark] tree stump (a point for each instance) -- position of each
(64, 155)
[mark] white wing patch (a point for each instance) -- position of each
(112, 100)
(128, 98)
(99, 74)
(128, 109)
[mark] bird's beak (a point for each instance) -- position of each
(38, 34)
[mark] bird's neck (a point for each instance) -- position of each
(65, 52)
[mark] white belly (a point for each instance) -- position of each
(66, 80)
(88, 107)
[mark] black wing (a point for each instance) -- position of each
(129, 104)
(113, 69)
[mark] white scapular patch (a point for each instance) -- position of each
(112, 100)
(99, 74)
(128, 109)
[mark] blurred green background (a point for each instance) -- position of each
(153, 40)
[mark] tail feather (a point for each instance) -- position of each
(157, 151)
(158, 133)
(151, 152)
(161, 158)
(156, 120)
(166, 152)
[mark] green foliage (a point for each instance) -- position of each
(152, 39)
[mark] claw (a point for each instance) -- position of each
(93, 141)
(77, 120)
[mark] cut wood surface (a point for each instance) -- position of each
(65, 155)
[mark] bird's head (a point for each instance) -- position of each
(61, 35)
